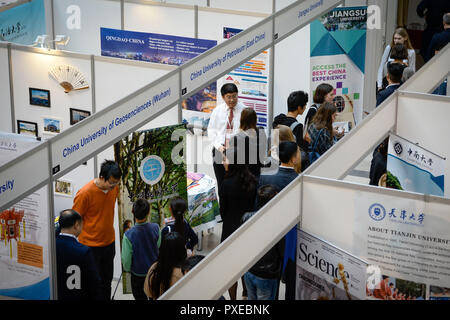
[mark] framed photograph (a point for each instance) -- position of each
(77, 115)
(51, 125)
(64, 188)
(39, 97)
(27, 128)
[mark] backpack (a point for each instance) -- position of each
(313, 155)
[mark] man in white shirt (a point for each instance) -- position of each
(224, 123)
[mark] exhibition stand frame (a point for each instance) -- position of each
(63, 153)
(302, 202)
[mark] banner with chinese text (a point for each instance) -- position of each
(413, 168)
(24, 256)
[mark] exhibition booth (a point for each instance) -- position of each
(78, 129)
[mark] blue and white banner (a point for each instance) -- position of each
(413, 168)
(165, 49)
(22, 24)
(24, 255)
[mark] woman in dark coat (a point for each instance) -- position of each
(237, 197)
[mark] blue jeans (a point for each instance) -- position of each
(260, 288)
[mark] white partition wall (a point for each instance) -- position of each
(5, 119)
(423, 119)
(260, 6)
(81, 21)
(159, 19)
(31, 71)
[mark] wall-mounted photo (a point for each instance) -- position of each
(63, 188)
(52, 125)
(77, 115)
(39, 97)
(27, 128)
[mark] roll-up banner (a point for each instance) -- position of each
(22, 24)
(338, 47)
(413, 168)
(252, 80)
(24, 256)
(164, 49)
(325, 272)
(409, 241)
(194, 74)
(154, 168)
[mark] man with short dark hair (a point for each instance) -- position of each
(296, 103)
(223, 123)
(289, 155)
(140, 247)
(95, 202)
(394, 78)
(77, 275)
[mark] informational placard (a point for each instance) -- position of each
(154, 168)
(24, 231)
(338, 47)
(104, 127)
(196, 74)
(411, 167)
(164, 49)
(22, 24)
(408, 240)
(203, 206)
(325, 272)
(252, 80)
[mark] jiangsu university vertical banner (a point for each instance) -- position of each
(413, 168)
(338, 49)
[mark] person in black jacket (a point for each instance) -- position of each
(432, 10)
(263, 278)
(394, 78)
(379, 162)
(77, 274)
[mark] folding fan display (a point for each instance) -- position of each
(69, 77)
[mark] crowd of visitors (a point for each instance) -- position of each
(158, 258)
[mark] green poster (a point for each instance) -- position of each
(154, 168)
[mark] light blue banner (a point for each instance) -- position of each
(22, 24)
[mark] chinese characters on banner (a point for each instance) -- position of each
(24, 257)
(413, 168)
(409, 242)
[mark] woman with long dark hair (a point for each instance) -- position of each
(166, 271)
(178, 207)
(252, 142)
(323, 93)
(321, 128)
(237, 197)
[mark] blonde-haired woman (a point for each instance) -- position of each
(284, 134)
(400, 36)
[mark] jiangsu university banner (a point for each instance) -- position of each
(338, 49)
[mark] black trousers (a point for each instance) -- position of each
(137, 287)
(104, 260)
(219, 169)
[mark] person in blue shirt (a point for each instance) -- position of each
(140, 248)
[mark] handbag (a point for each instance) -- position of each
(313, 155)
